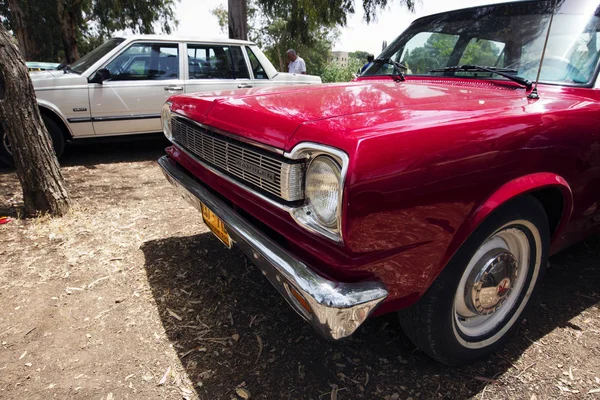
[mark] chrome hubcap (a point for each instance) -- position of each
(492, 282)
(490, 286)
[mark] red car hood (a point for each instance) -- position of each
(272, 115)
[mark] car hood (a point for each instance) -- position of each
(273, 115)
(55, 78)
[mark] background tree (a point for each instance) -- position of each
(271, 31)
(237, 19)
(55, 29)
(44, 189)
(302, 15)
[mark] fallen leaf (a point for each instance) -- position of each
(334, 394)
(174, 315)
(260, 348)
(243, 393)
(235, 337)
(165, 376)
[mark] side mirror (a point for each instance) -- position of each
(100, 76)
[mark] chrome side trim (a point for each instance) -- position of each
(334, 309)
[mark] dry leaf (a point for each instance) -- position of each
(260, 348)
(334, 394)
(165, 376)
(172, 314)
(243, 393)
(235, 337)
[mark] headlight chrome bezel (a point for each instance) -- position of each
(303, 215)
(165, 119)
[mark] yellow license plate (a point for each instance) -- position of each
(216, 225)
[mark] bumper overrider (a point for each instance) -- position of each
(334, 309)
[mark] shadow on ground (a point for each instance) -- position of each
(218, 295)
(89, 152)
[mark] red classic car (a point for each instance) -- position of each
(436, 184)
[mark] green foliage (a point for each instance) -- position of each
(304, 15)
(272, 32)
(95, 20)
(43, 20)
(436, 52)
(334, 72)
(359, 55)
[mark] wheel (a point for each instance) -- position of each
(477, 300)
(56, 134)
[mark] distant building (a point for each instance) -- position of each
(340, 57)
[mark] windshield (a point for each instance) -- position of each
(505, 36)
(90, 58)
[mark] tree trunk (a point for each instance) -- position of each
(238, 19)
(18, 19)
(43, 185)
(68, 12)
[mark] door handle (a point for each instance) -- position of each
(173, 88)
(244, 86)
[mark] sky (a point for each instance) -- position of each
(357, 35)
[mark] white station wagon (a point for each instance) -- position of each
(120, 87)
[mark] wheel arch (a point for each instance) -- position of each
(51, 111)
(551, 190)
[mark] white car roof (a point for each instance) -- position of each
(185, 39)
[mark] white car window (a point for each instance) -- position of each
(146, 61)
(257, 68)
(207, 61)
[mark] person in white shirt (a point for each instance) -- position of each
(297, 64)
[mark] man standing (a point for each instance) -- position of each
(297, 64)
(370, 59)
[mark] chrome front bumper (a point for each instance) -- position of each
(334, 309)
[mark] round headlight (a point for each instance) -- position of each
(323, 180)
(165, 116)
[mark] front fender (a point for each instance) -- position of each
(510, 190)
(53, 109)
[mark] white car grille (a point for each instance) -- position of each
(274, 175)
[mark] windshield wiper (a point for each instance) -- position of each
(507, 73)
(397, 66)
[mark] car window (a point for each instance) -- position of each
(257, 68)
(216, 62)
(146, 61)
(426, 51)
(483, 52)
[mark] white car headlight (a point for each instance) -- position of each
(323, 181)
(165, 116)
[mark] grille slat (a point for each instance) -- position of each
(277, 177)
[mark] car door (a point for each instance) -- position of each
(215, 68)
(259, 75)
(142, 77)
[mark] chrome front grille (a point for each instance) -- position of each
(274, 175)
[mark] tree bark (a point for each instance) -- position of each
(238, 19)
(43, 185)
(18, 18)
(68, 11)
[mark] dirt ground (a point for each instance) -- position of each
(129, 296)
